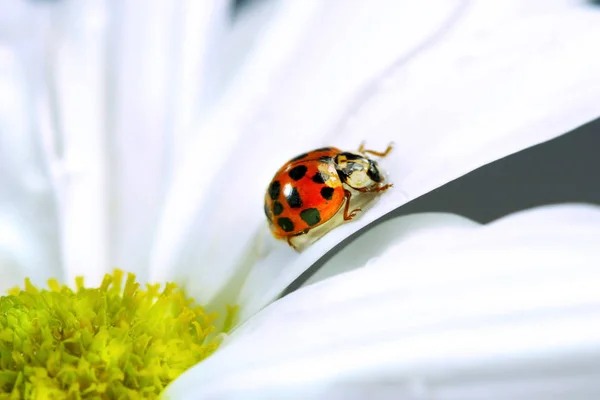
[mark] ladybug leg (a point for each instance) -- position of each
(349, 215)
(362, 149)
(376, 188)
(289, 240)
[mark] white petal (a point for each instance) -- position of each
(512, 308)
(22, 257)
(160, 54)
(503, 77)
(29, 231)
(121, 85)
(239, 44)
(74, 126)
(310, 51)
(373, 243)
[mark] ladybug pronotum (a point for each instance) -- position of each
(310, 189)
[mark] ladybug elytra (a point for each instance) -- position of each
(310, 189)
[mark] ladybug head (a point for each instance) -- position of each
(357, 171)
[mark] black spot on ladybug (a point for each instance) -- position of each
(311, 216)
(297, 172)
(300, 157)
(267, 212)
(320, 178)
(323, 149)
(327, 193)
(274, 190)
(277, 208)
(326, 159)
(286, 224)
(293, 199)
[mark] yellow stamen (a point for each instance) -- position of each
(111, 342)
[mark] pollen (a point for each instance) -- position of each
(117, 341)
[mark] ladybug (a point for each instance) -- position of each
(311, 188)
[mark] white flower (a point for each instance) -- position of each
(451, 310)
(143, 136)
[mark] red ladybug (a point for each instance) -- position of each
(311, 188)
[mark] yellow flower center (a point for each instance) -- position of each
(114, 341)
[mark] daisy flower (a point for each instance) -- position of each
(142, 137)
